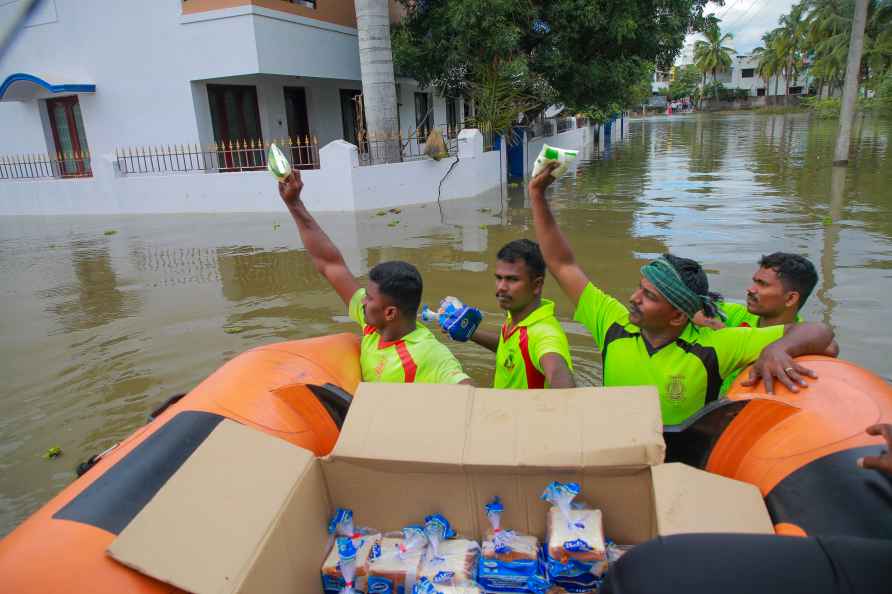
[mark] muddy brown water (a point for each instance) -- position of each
(98, 328)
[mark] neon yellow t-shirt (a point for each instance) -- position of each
(738, 316)
(518, 358)
(688, 372)
(417, 357)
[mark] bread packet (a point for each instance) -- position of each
(506, 545)
(455, 562)
(426, 586)
(573, 532)
(362, 540)
(394, 563)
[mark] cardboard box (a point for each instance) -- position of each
(248, 512)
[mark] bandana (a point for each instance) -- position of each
(670, 284)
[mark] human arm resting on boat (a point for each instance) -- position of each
(555, 248)
(776, 361)
(557, 372)
(326, 257)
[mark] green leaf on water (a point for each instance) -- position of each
(232, 330)
(514, 185)
(276, 226)
(53, 452)
(483, 226)
(110, 232)
(828, 220)
(483, 210)
(381, 213)
(393, 223)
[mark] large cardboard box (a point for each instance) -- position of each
(248, 512)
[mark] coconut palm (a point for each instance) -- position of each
(376, 66)
(712, 55)
(790, 40)
(770, 60)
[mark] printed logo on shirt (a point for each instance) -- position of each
(379, 368)
(509, 361)
(675, 388)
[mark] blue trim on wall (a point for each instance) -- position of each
(22, 77)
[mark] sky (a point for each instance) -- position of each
(748, 20)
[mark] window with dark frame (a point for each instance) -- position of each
(69, 136)
(452, 117)
(423, 115)
(235, 117)
(747, 72)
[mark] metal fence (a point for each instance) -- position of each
(61, 165)
(377, 150)
(240, 155)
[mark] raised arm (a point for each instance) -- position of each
(776, 361)
(326, 257)
(555, 247)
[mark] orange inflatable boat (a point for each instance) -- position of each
(799, 449)
(297, 391)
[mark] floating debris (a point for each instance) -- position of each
(381, 213)
(393, 223)
(110, 232)
(828, 220)
(484, 210)
(276, 226)
(483, 226)
(395, 211)
(514, 185)
(232, 330)
(53, 452)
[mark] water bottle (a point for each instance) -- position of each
(448, 306)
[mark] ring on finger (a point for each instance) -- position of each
(788, 369)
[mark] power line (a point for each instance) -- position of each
(738, 22)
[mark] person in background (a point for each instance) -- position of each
(395, 347)
(781, 286)
(531, 348)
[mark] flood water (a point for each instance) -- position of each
(105, 317)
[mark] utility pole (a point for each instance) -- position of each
(850, 88)
(378, 81)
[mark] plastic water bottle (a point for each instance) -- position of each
(448, 306)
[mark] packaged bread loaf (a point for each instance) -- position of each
(362, 541)
(396, 560)
(572, 533)
(455, 562)
(506, 545)
(426, 586)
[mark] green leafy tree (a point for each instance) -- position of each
(711, 54)
(591, 56)
(770, 59)
(685, 82)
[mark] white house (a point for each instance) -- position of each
(93, 90)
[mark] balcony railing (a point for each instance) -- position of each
(225, 157)
(61, 165)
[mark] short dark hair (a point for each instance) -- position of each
(694, 277)
(401, 282)
(526, 250)
(796, 273)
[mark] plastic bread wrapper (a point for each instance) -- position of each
(504, 543)
(406, 554)
(347, 563)
(426, 586)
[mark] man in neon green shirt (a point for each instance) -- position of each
(531, 348)
(395, 347)
(781, 285)
(653, 342)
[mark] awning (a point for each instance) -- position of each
(27, 87)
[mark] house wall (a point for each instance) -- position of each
(339, 185)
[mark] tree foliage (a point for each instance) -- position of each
(587, 54)
(685, 82)
(711, 54)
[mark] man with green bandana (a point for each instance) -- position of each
(653, 342)
(395, 347)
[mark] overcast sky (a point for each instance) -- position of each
(748, 20)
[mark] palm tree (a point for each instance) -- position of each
(790, 41)
(378, 81)
(711, 54)
(771, 58)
